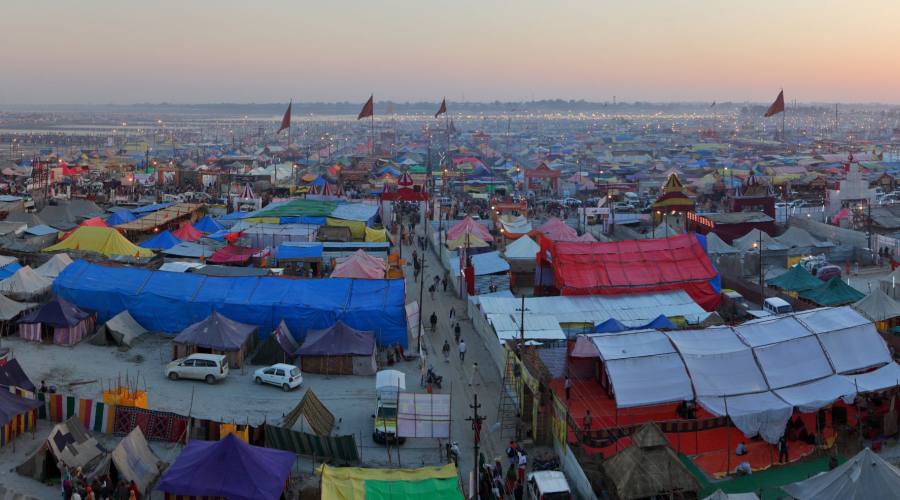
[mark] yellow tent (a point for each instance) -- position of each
(357, 483)
(357, 228)
(376, 235)
(102, 240)
(467, 240)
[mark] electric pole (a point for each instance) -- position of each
(476, 420)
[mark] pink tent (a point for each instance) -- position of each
(584, 348)
(469, 226)
(187, 232)
(359, 265)
(558, 230)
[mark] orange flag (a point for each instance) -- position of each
(777, 106)
(442, 109)
(286, 120)
(368, 108)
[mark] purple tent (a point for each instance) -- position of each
(339, 340)
(12, 406)
(229, 468)
(69, 324)
(218, 335)
(57, 312)
(339, 350)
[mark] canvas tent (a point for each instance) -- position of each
(162, 241)
(339, 349)
(187, 233)
(58, 319)
(863, 477)
(102, 240)
(133, 460)
(649, 468)
(796, 279)
(717, 246)
(217, 335)
(878, 306)
(12, 375)
(9, 310)
(121, 330)
(229, 468)
(835, 292)
(280, 347)
(54, 266)
(359, 265)
(25, 284)
(17, 415)
(208, 225)
(70, 444)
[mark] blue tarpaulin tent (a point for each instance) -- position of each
(162, 241)
(310, 251)
(120, 217)
(660, 323)
(612, 325)
(208, 225)
(9, 269)
(151, 208)
(170, 302)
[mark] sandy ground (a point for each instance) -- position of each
(350, 398)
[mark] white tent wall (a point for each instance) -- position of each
(649, 380)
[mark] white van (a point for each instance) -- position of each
(547, 485)
(199, 366)
(776, 305)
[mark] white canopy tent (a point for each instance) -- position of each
(863, 477)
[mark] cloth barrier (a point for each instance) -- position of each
(95, 415)
(341, 449)
(156, 425)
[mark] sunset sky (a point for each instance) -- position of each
(113, 51)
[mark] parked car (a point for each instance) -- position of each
(825, 273)
(777, 305)
(280, 374)
(547, 485)
(199, 366)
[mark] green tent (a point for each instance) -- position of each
(833, 293)
(796, 279)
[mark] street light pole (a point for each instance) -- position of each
(476, 420)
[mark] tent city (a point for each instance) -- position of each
(472, 250)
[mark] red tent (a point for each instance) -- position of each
(633, 266)
(187, 232)
(92, 222)
(468, 225)
(232, 254)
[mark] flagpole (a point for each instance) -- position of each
(783, 138)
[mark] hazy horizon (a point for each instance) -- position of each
(105, 52)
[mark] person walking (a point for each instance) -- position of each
(456, 332)
(444, 283)
(446, 351)
(452, 314)
(568, 386)
(783, 450)
(431, 291)
(462, 350)
(473, 377)
(433, 321)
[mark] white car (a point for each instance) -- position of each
(282, 375)
(199, 366)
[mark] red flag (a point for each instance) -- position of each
(777, 106)
(368, 108)
(286, 120)
(442, 109)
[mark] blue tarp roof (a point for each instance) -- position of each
(41, 230)
(612, 325)
(169, 302)
(310, 251)
(162, 241)
(9, 269)
(660, 323)
(208, 225)
(120, 217)
(236, 216)
(151, 208)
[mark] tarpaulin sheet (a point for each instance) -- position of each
(632, 345)
(649, 380)
(423, 415)
(855, 348)
(287, 251)
(793, 362)
(345, 483)
(341, 449)
(162, 241)
(762, 413)
(634, 266)
(811, 396)
(169, 302)
(232, 254)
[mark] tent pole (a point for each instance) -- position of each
(727, 437)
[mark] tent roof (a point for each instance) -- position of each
(338, 340)
(716, 245)
(208, 225)
(523, 248)
(640, 472)
(796, 279)
(878, 306)
(361, 265)
(135, 461)
(57, 312)
(102, 240)
(162, 241)
(124, 324)
(12, 374)
(54, 266)
(436, 483)
(747, 241)
(468, 225)
(216, 332)
(25, 282)
(187, 233)
(232, 254)
(864, 476)
(557, 230)
(9, 308)
(797, 237)
(229, 468)
(834, 293)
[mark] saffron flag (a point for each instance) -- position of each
(442, 109)
(368, 108)
(777, 106)
(286, 120)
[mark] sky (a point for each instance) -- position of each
(187, 51)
